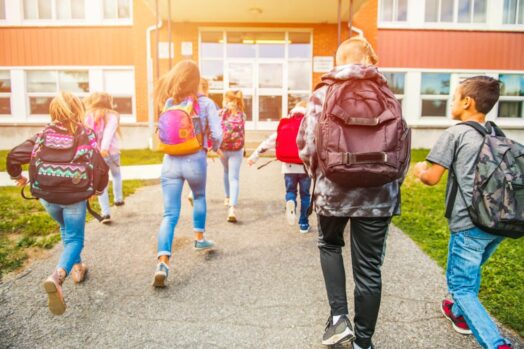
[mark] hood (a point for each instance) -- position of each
(355, 71)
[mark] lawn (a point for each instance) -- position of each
(25, 225)
(502, 290)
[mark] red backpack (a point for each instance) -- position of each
(286, 144)
(361, 138)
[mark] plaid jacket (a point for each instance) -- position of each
(330, 198)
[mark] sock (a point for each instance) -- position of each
(199, 236)
(336, 318)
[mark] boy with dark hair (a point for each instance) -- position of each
(469, 247)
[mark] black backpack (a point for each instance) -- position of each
(64, 168)
(498, 188)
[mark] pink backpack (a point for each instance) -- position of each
(233, 130)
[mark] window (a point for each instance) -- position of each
(117, 9)
(299, 45)
(513, 12)
(396, 83)
(54, 9)
(43, 85)
(121, 85)
(5, 93)
(435, 94)
(456, 11)
(2, 9)
(393, 10)
(511, 103)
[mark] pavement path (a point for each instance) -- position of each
(261, 287)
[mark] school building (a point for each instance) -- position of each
(275, 51)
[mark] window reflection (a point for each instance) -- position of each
(270, 76)
(270, 108)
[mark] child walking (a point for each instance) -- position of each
(295, 176)
(469, 246)
(65, 169)
(182, 126)
(105, 121)
(232, 148)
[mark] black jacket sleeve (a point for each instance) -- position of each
(18, 156)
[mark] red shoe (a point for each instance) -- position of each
(459, 324)
(505, 346)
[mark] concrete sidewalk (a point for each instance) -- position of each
(128, 172)
(261, 287)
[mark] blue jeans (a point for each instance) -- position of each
(294, 180)
(468, 251)
(113, 161)
(231, 162)
(72, 221)
(175, 170)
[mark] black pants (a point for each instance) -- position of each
(368, 237)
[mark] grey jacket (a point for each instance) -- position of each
(330, 199)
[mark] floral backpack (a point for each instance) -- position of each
(233, 130)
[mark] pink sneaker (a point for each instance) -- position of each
(53, 287)
(459, 324)
(505, 346)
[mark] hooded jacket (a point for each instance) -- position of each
(331, 199)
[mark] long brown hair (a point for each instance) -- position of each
(67, 110)
(101, 105)
(179, 83)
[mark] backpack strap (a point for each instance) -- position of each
(480, 129)
(93, 212)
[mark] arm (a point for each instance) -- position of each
(213, 122)
(268, 144)
(109, 133)
(429, 175)
(19, 156)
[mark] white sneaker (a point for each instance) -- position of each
(231, 217)
(226, 202)
(290, 212)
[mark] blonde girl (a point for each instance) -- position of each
(232, 148)
(67, 116)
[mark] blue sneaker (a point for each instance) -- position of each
(304, 228)
(162, 270)
(204, 244)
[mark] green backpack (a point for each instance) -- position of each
(498, 188)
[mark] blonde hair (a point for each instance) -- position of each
(204, 86)
(101, 105)
(301, 104)
(356, 50)
(179, 83)
(68, 110)
(235, 96)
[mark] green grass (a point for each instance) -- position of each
(502, 290)
(24, 224)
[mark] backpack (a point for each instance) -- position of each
(361, 138)
(66, 169)
(180, 128)
(286, 143)
(498, 187)
(233, 131)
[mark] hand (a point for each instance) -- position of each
(420, 168)
(250, 162)
(104, 153)
(20, 182)
(220, 153)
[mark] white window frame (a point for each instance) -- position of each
(93, 9)
(116, 20)
(253, 92)
(510, 99)
(54, 14)
(417, 11)
(7, 94)
(517, 10)
(50, 94)
(124, 118)
(435, 97)
(395, 12)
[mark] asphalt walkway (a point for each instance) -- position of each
(261, 287)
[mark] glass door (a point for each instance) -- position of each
(270, 93)
(241, 76)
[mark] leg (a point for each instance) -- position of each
(117, 178)
(305, 197)
(330, 243)
(291, 183)
(196, 175)
(468, 250)
(172, 184)
(368, 237)
(103, 200)
(225, 163)
(73, 237)
(235, 161)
